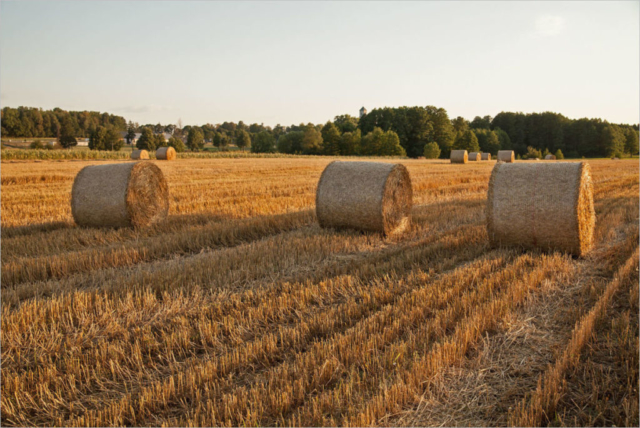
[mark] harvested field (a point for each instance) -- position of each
(240, 310)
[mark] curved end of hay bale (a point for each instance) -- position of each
(459, 156)
(485, 156)
(508, 156)
(550, 157)
(119, 195)
(545, 205)
(367, 196)
(139, 154)
(585, 211)
(166, 153)
(475, 156)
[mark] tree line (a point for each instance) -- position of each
(411, 131)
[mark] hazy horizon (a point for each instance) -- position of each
(287, 63)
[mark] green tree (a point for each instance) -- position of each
(131, 132)
(160, 141)
(432, 151)
(311, 141)
(505, 141)
(195, 139)
(291, 142)
(177, 144)
(481, 122)
(350, 143)
(613, 141)
(147, 140)
(559, 154)
(487, 140)
(467, 141)
(331, 139)
(391, 145)
(243, 139)
(460, 126)
(67, 141)
(631, 141)
(264, 143)
(381, 143)
(532, 153)
(97, 138)
(112, 140)
(346, 123)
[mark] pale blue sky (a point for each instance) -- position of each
(292, 62)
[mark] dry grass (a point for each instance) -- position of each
(241, 310)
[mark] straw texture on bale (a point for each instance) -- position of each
(544, 205)
(139, 154)
(368, 196)
(506, 155)
(119, 195)
(550, 157)
(459, 156)
(475, 156)
(166, 153)
(486, 156)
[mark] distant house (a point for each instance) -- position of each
(363, 111)
(83, 142)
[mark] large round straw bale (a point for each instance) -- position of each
(166, 153)
(371, 196)
(459, 156)
(486, 156)
(139, 154)
(506, 155)
(475, 156)
(550, 157)
(119, 195)
(543, 205)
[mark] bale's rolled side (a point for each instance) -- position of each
(544, 205)
(459, 156)
(369, 196)
(475, 156)
(166, 153)
(550, 157)
(119, 195)
(139, 154)
(486, 156)
(506, 156)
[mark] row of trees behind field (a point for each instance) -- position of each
(412, 131)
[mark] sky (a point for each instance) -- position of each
(294, 62)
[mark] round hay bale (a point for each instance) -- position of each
(475, 156)
(120, 195)
(544, 205)
(506, 156)
(368, 196)
(550, 157)
(486, 156)
(459, 156)
(139, 154)
(166, 153)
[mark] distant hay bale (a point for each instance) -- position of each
(119, 195)
(486, 156)
(506, 156)
(166, 153)
(615, 158)
(139, 154)
(459, 156)
(475, 156)
(550, 157)
(368, 196)
(543, 205)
